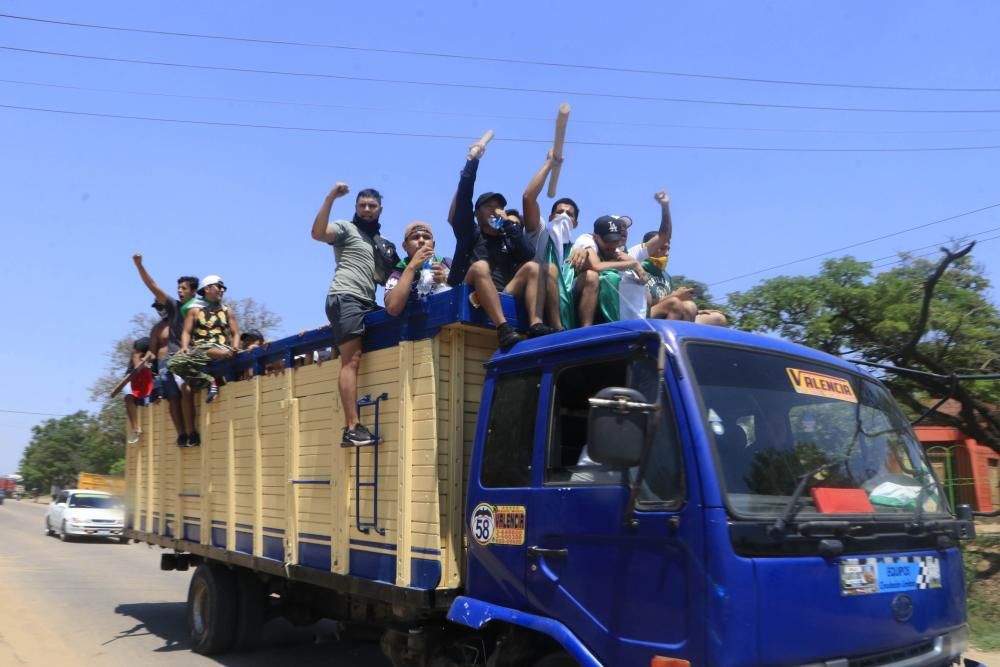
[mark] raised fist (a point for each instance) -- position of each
(137, 258)
(339, 190)
(662, 197)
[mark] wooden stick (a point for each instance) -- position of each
(557, 148)
(128, 376)
(483, 140)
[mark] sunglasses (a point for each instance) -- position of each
(220, 286)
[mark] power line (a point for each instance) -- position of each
(926, 254)
(418, 135)
(38, 414)
(934, 245)
(494, 88)
(854, 245)
(547, 119)
(507, 61)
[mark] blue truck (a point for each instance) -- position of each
(635, 493)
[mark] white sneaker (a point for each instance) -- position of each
(134, 437)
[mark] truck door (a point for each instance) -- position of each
(501, 484)
(628, 584)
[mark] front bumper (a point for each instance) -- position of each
(941, 651)
(93, 530)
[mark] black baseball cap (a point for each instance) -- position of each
(611, 228)
(252, 334)
(486, 196)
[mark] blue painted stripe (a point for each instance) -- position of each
(189, 494)
(244, 542)
(425, 573)
(170, 513)
(279, 531)
(156, 514)
(191, 532)
(310, 481)
(370, 565)
(311, 536)
(192, 518)
(315, 555)
(274, 548)
(424, 550)
(218, 522)
(375, 545)
(244, 525)
(219, 537)
(156, 525)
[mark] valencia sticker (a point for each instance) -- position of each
(817, 384)
(498, 524)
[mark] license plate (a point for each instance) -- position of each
(863, 576)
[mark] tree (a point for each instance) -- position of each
(702, 296)
(58, 451)
(923, 315)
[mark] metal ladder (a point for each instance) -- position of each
(366, 526)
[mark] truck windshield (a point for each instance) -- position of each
(773, 419)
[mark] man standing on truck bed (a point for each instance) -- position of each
(361, 256)
(174, 310)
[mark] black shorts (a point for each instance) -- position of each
(347, 313)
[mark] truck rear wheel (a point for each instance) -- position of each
(212, 609)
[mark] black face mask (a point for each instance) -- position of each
(369, 228)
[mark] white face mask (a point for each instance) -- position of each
(562, 219)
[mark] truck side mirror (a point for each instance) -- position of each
(616, 429)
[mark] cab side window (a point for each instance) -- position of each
(510, 434)
(567, 458)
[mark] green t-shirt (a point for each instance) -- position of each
(659, 283)
(354, 252)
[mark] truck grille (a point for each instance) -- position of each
(891, 657)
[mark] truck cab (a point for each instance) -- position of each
(659, 490)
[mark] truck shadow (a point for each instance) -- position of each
(309, 646)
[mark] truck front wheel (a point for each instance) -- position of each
(212, 609)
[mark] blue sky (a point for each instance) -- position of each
(80, 194)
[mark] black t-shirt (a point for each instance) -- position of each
(172, 309)
(505, 255)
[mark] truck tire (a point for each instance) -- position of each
(252, 612)
(212, 609)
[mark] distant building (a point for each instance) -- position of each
(968, 469)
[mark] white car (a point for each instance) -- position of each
(83, 513)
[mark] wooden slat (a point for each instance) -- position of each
(404, 402)
(455, 448)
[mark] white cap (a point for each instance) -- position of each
(209, 280)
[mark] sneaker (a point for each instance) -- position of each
(213, 391)
(357, 437)
(182, 440)
(536, 330)
(133, 437)
(194, 439)
(507, 336)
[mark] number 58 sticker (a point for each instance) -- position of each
(499, 524)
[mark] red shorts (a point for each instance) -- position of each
(142, 383)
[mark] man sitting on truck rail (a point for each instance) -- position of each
(363, 259)
(174, 310)
(492, 254)
(211, 328)
(420, 273)
(138, 388)
(552, 241)
(608, 281)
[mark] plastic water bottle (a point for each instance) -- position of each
(425, 283)
(496, 222)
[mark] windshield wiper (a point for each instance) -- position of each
(791, 509)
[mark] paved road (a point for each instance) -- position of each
(102, 603)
